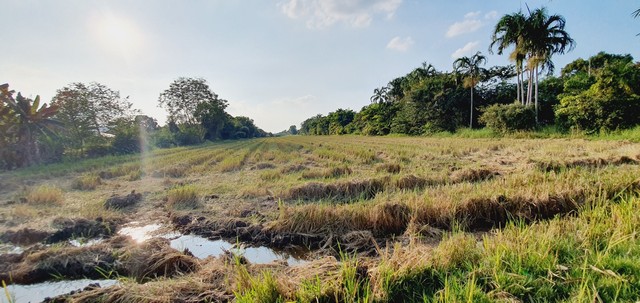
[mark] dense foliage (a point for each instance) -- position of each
(92, 120)
(601, 93)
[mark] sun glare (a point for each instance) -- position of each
(117, 34)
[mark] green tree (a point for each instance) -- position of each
(544, 37)
(536, 39)
(212, 117)
(86, 110)
(470, 67)
(510, 30)
(189, 102)
(25, 119)
(610, 101)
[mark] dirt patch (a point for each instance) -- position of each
(85, 228)
(25, 236)
(549, 166)
(65, 297)
(47, 264)
(343, 191)
(119, 202)
(473, 175)
(155, 258)
(120, 255)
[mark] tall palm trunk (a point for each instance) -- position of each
(518, 84)
(522, 90)
(530, 87)
(536, 97)
(471, 111)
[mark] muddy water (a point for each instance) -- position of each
(202, 247)
(38, 292)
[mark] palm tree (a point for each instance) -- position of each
(29, 119)
(510, 30)
(636, 14)
(470, 67)
(544, 37)
(379, 95)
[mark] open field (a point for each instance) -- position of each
(382, 220)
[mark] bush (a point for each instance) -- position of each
(504, 118)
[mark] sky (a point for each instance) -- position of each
(278, 62)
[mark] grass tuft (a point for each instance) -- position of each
(45, 195)
(87, 182)
(183, 197)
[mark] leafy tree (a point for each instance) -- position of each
(339, 120)
(194, 108)
(86, 110)
(184, 95)
(612, 100)
(23, 121)
(212, 117)
(470, 67)
(375, 119)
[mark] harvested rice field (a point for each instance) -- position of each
(331, 219)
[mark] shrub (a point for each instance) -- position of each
(45, 195)
(504, 118)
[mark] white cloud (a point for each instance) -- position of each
(400, 44)
(471, 23)
(471, 15)
(464, 27)
(324, 13)
(492, 15)
(466, 49)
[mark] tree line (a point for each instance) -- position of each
(91, 119)
(598, 94)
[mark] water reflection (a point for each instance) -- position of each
(203, 247)
(38, 292)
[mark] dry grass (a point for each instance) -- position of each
(392, 168)
(183, 197)
(45, 195)
(87, 182)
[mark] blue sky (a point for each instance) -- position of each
(278, 62)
